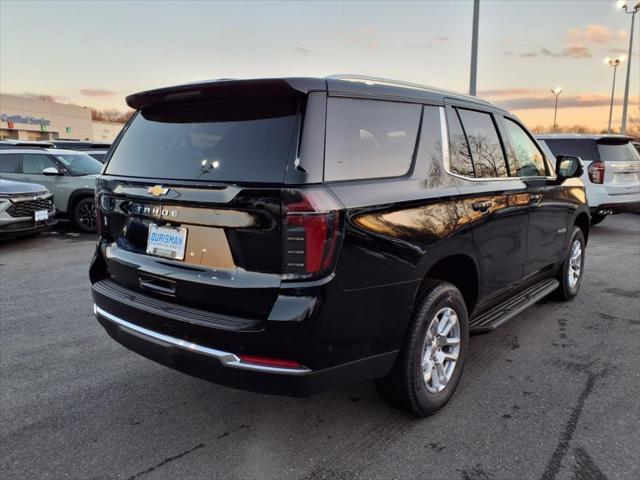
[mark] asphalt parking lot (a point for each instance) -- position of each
(554, 394)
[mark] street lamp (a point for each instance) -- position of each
(626, 6)
(556, 91)
(615, 63)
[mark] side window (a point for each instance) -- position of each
(528, 161)
(9, 162)
(34, 163)
(369, 138)
(484, 143)
(460, 157)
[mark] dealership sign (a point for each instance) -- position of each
(43, 122)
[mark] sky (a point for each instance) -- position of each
(94, 53)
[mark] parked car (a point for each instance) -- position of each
(611, 174)
(69, 176)
(25, 208)
(97, 150)
(82, 145)
(288, 235)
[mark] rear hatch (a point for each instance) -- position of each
(190, 202)
(621, 166)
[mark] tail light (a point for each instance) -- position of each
(596, 171)
(311, 231)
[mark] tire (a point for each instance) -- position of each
(84, 215)
(574, 261)
(405, 387)
(596, 218)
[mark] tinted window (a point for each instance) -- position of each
(98, 156)
(9, 162)
(460, 157)
(79, 163)
(484, 143)
(618, 153)
(585, 148)
(224, 140)
(369, 138)
(34, 163)
(528, 161)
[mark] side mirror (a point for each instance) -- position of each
(51, 171)
(568, 166)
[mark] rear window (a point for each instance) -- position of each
(369, 138)
(618, 153)
(583, 148)
(243, 140)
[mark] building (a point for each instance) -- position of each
(105, 131)
(24, 118)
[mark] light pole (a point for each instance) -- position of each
(625, 103)
(556, 91)
(615, 63)
(474, 48)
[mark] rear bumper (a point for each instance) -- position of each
(226, 368)
(616, 207)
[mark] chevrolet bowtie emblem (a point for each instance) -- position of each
(157, 190)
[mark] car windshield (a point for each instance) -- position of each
(624, 152)
(79, 164)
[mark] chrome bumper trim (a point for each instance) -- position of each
(226, 358)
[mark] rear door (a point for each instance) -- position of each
(190, 202)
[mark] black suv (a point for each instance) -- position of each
(287, 235)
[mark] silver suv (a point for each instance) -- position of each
(69, 175)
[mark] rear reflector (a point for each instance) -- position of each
(311, 226)
(596, 171)
(270, 362)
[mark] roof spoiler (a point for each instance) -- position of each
(268, 87)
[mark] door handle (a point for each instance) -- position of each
(482, 207)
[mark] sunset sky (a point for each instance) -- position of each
(95, 53)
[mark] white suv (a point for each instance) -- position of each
(611, 170)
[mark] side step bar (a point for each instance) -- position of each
(513, 306)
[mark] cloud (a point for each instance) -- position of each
(97, 92)
(442, 38)
(533, 102)
(592, 34)
(618, 51)
(302, 51)
(622, 35)
(572, 52)
(510, 92)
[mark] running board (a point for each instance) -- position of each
(513, 306)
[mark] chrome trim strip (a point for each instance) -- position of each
(226, 358)
(444, 132)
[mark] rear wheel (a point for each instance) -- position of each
(430, 363)
(571, 273)
(84, 215)
(596, 218)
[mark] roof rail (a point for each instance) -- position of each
(398, 83)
